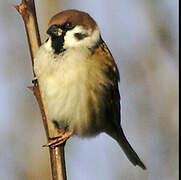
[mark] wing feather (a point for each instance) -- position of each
(112, 90)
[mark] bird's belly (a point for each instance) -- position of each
(69, 101)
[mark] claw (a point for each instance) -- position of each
(60, 139)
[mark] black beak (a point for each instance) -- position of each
(54, 31)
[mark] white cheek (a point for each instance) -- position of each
(71, 41)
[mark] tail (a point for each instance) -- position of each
(128, 150)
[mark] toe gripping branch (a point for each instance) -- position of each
(60, 139)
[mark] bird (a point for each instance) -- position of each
(79, 81)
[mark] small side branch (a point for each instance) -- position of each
(28, 13)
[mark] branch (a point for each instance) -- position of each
(28, 13)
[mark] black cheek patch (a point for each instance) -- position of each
(80, 36)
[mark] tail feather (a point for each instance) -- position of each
(128, 150)
(130, 153)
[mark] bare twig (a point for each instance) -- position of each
(27, 10)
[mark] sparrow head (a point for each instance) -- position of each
(71, 29)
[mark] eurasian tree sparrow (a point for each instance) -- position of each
(78, 79)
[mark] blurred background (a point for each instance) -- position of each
(143, 38)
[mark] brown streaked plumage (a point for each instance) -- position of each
(113, 115)
(79, 78)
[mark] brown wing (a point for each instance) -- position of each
(111, 91)
(112, 98)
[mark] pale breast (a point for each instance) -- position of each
(71, 86)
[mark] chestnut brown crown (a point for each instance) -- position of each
(76, 17)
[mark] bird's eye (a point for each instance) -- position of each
(68, 25)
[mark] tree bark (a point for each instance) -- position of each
(57, 159)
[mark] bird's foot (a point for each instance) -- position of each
(59, 139)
